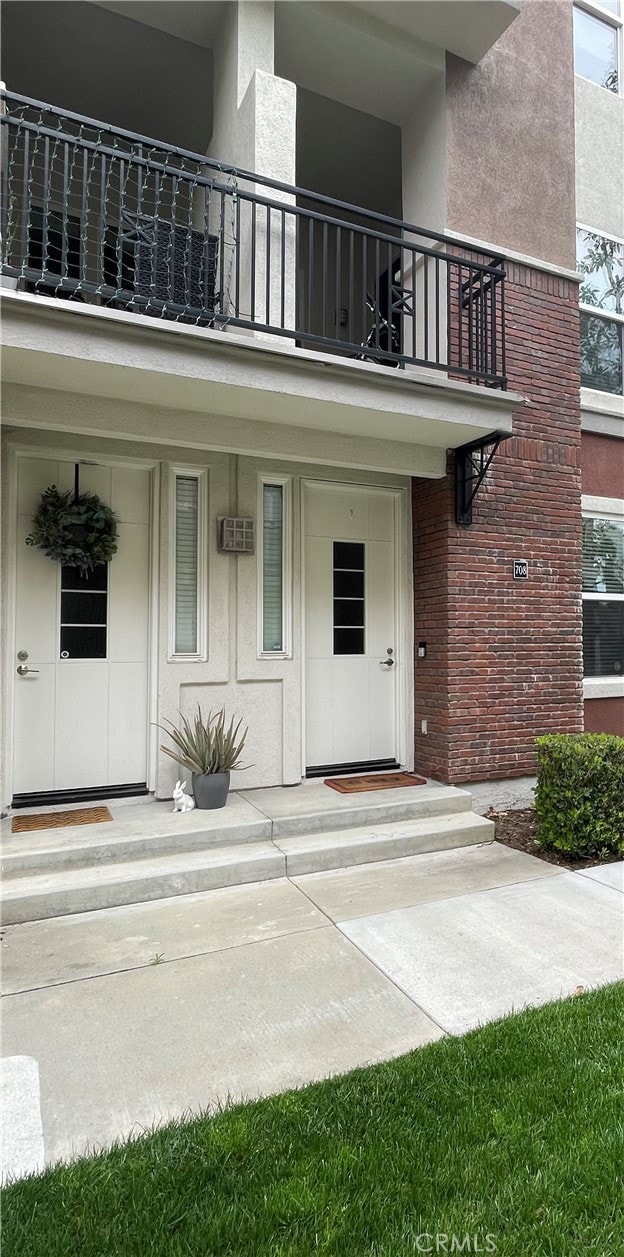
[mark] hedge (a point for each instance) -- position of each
(580, 794)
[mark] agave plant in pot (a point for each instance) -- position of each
(209, 751)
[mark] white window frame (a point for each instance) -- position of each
(285, 483)
(201, 476)
(610, 509)
(608, 315)
(609, 19)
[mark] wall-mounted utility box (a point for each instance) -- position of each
(236, 535)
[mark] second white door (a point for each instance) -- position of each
(350, 625)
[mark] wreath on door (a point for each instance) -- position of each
(76, 529)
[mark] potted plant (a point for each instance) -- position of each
(209, 751)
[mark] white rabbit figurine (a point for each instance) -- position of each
(182, 802)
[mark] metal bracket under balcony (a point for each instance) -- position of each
(472, 462)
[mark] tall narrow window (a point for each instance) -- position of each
(186, 565)
(273, 567)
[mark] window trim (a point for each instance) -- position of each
(616, 20)
(610, 509)
(201, 475)
(285, 482)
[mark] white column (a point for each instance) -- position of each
(255, 129)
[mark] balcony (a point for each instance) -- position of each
(100, 216)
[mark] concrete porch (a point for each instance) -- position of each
(149, 852)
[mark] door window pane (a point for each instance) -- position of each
(273, 567)
(348, 641)
(595, 50)
(83, 642)
(84, 605)
(83, 608)
(349, 601)
(348, 584)
(186, 564)
(349, 554)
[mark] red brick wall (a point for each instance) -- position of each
(602, 463)
(504, 657)
(604, 715)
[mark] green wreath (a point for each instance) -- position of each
(76, 531)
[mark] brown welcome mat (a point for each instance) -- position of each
(58, 820)
(374, 781)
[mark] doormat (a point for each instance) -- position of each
(374, 781)
(59, 820)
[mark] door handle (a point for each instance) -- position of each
(386, 663)
(23, 670)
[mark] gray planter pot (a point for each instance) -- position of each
(210, 789)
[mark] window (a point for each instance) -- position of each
(274, 567)
(601, 262)
(597, 40)
(603, 597)
(188, 575)
(349, 600)
(84, 598)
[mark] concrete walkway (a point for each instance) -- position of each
(119, 1019)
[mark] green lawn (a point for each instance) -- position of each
(513, 1132)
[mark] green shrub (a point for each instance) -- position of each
(580, 794)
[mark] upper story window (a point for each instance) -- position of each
(598, 42)
(601, 262)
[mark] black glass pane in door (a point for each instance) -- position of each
(348, 600)
(348, 584)
(84, 611)
(349, 554)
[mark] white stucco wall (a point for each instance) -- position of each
(423, 145)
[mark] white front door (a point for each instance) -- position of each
(350, 625)
(81, 708)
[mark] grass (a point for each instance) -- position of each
(511, 1132)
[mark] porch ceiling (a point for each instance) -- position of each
(190, 371)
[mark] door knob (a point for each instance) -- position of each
(386, 663)
(23, 670)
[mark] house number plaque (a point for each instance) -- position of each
(521, 569)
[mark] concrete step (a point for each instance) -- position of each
(313, 811)
(135, 833)
(150, 830)
(315, 853)
(157, 855)
(67, 891)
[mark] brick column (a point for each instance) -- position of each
(504, 657)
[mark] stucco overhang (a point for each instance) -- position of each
(191, 371)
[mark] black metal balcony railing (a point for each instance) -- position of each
(95, 214)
